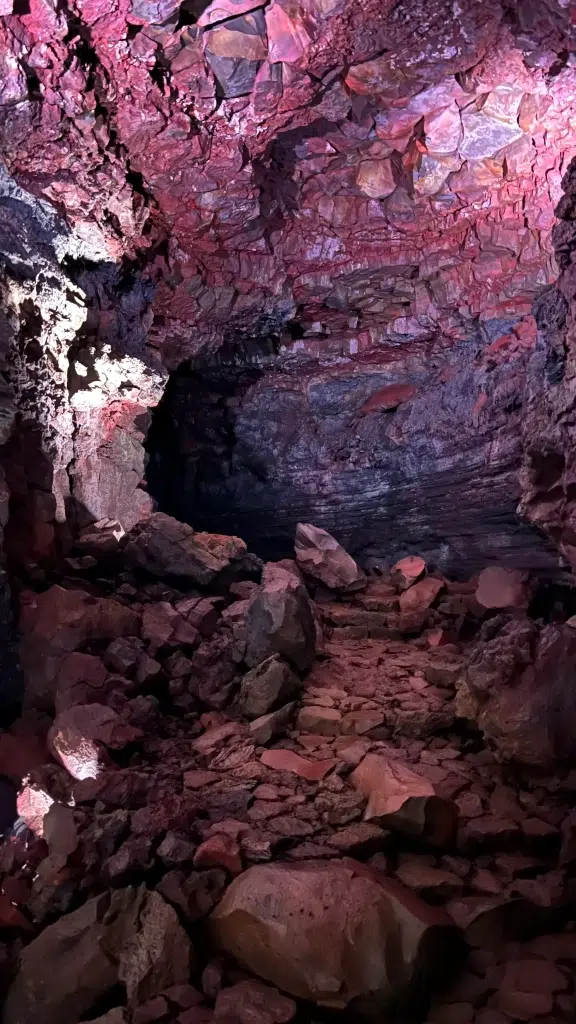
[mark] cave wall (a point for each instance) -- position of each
(418, 448)
(378, 201)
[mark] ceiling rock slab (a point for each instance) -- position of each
(260, 159)
(238, 166)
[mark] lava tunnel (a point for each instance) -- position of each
(264, 435)
(287, 511)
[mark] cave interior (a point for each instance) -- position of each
(287, 511)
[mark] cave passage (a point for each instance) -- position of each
(198, 471)
(252, 441)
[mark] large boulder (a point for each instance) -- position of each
(280, 620)
(333, 932)
(319, 555)
(519, 690)
(166, 547)
(131, 936)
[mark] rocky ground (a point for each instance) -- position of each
(260, 794)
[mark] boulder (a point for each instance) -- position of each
(418, 598)
(407, 571)
(266, 687)
(319, 555)
(518, 688)
(404, 801)
(384, 942)
(57, 622)
(130, 936)
(165, 547)
(80, 734)
(64, 972)
(279, 620)
(498, 587)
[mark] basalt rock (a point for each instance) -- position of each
(165, 547)
(383, 940)
(516, 689)
(279, 620)
(320, 556)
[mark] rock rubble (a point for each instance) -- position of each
(189, 840)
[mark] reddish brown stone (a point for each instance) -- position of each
(288, 761)
(219, 851)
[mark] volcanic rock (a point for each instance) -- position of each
(319, 555)
(404, 801)
(267, 686)
(57, 622)
(406, 571)
(515, 690)
(251, 1002)
(165, 547)
(498, 587)
(382, 936)
(79, 735)
(279, 620)
(269, 727)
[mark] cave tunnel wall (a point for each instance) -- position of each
(411, 448)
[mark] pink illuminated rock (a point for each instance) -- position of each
(220, 10)
(421, 595)
(289, 761)
(376, 179)
(319, 555)
(274, 920)
(288, 35)
(388, 398)
(406, 571)
(403, 800)
(251, 1002)
(499, 587)
(81, 734)
(219, 851)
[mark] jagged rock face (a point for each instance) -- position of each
(549, 469)
(189, 173)
(315, 157)
(255, 453)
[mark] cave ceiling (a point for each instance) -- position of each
(375, 171)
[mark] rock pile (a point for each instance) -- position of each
(250, 793)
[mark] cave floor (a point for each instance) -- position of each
(227, 797)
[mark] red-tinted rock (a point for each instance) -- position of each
(166, 547)
(419, 597)
(404, 801)
(251, 1002)
(279, 620)
(219, 851)
(498, 587)
(514, 689)
(408, 570)
(80, 735)
(319, 555)
(273, 916)
(289, 761)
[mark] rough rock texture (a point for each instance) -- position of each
(362, 914)
(548, 468)
(370, 204)
(113, 885)
(320, 556)
(517, 689)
